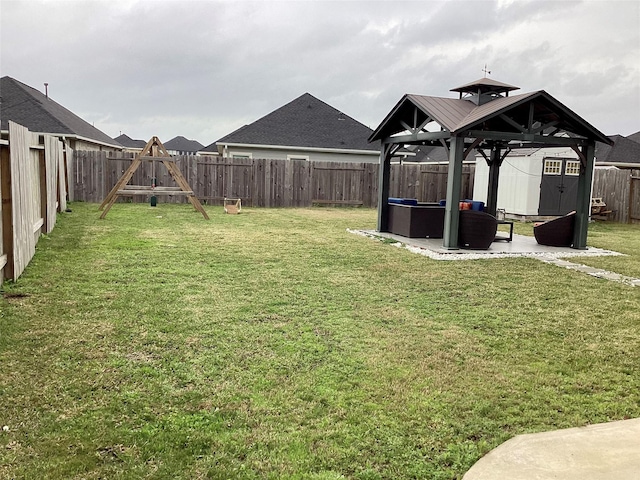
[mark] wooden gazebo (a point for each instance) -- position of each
(485, 118)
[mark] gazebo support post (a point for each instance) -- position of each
(383, 187)
(583, 207)
(494, 174)
(454, 184)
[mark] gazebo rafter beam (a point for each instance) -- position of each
(526, 137)
(542, 128)
(475, 143)
(424, 123)
(418, 137)
(416, 128)
(513, 123)
(581, 156)
(531, 117)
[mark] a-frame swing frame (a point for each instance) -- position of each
(153, 151)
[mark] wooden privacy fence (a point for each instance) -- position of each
(33, 189)
(620, 190)
(267, 183)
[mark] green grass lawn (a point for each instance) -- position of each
(274, 344)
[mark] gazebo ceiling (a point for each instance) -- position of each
(534, 118)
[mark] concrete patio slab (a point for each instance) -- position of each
(606, 451)
(521, 246)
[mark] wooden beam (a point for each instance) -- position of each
(531, 114)
(531, 139)
(130, 193)
(583, 159)
(417, 137)
(473, 145)
(425, 123)
(512, 122)
(151, 188)
(542, 128)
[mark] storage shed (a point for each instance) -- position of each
(535, 182)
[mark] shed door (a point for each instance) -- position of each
(559, 186)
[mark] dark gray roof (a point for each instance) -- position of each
(30, 108)
(635, 137)
(183, 144)
(127, 141)
(428, 153)
(623, 150)
(304, 122)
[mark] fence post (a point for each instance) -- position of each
(7, 223)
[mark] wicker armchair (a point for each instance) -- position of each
(476, 230)
(557, 232)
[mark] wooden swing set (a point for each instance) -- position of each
(154, 151)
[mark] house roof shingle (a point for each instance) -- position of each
(30, 108)
(623, 150)
(304, 122)
(183, 144)
(127, 141)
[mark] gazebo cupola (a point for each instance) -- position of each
(484, 90)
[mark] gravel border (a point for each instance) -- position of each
(547, 257)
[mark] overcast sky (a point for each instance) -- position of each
(202, 69)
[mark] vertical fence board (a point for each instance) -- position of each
(23, 173)
(5, 209)
(51, 176)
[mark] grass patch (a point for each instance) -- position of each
(274, 344)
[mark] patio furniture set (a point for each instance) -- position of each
(477, 229)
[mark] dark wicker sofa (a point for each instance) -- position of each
(557, 232)
(424, 220)
(476, 230)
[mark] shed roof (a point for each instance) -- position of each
(30, 108)
(304, 122)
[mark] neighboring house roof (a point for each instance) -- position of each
(128, 142)
(635, 137)
(182, 144)
(430, 153)
(623, 150)
(32, 109)
(305, 122)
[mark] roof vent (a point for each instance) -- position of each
(484, 90)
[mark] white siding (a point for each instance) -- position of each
(519, 183)
(275, 154)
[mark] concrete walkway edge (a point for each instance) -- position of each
(605, 451)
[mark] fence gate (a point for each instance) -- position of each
(340, 185)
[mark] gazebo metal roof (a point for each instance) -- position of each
(487, 118)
